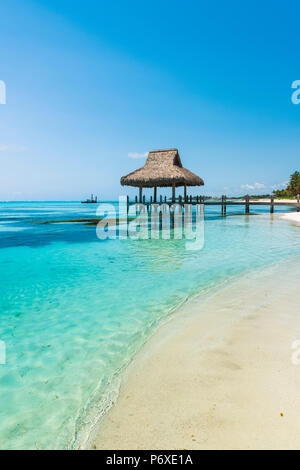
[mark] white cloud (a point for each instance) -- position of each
(137, 155)
(12, 148)
(253, 186)
(280, 185)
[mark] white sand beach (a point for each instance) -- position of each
(218, 375)
(292, 217)
(294, 201)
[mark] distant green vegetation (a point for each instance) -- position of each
(292, 189)
(260, 196)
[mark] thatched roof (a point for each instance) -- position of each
(162, 168)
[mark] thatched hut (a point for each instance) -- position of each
(163, 168)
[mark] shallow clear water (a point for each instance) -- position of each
(74, 309)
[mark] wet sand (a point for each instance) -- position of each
(218, 375)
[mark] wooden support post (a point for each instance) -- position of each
(298, 203)
(191, 199)
(155, 194)
(141, 193)
(160, 218)
(150, 199)
(272, 205)
(247, 205)
(144, 199)
(222, 205)
(225, 207)
(172, 218)
(180, 199)
(197, 199)
(173, 193)
(165, 199)
(185, 193)
(127, 204)
(136, 199)
(161, 199)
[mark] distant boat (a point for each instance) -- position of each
(93, 200)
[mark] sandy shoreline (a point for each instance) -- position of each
(292, 217)
(276, 200)
(198, 386)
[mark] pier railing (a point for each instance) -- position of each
(223, 202)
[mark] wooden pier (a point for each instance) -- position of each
(224, 202)
(163, 169)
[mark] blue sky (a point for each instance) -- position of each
(90, 83)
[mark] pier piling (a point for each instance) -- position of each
(272, 205)
(247, 204)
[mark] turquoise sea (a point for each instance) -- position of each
(74, 309)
